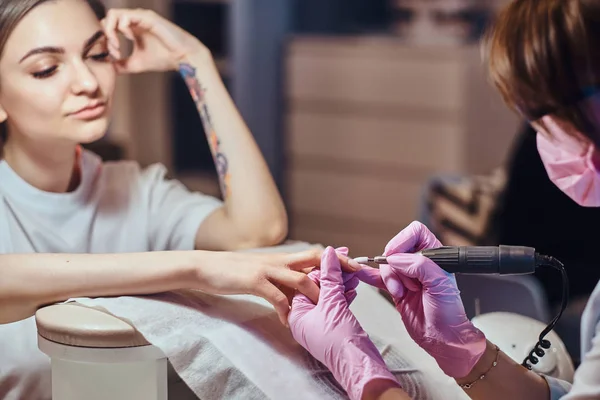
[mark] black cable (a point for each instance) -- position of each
(542, 343)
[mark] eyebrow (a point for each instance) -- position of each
(59, 50)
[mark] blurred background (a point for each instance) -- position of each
(370, 114)
(354, 103)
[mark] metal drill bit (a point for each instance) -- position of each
(373, 260)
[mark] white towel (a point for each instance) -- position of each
(234, 347)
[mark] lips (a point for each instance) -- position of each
(92, 111)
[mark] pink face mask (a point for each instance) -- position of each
(571, 165)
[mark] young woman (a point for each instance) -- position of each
(545, 60)
(71, 225)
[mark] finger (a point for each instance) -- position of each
(397, 284)
(315, 276)
(269, 292)
(332, 281)
(312, 258)
(307, 270)
(300, 300)
(124, 26)
(295, 280)
(110, 29)
(350, 296)
(342, 250)
(300, 306)
(348, 264)
(115, 52)
(289, 292)
(150, 21)
(128, 66)
(351, 281)
(417, 267)
(371, 276)
(331, 271)
(303, 259)
(415, 237)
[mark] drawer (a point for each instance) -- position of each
(362, 74)
(429, 145)
(368, 198)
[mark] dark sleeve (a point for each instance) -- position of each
(536, 213)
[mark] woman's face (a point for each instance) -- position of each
(56, 77)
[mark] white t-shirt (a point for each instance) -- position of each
(118, 207)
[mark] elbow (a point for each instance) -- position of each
(267, 234)
(275, 234)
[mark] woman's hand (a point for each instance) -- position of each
(428, 301)
(331, 333)
(274, 277)
(158, 44)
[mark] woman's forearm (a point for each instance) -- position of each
(29, 281)
(252, 201)
(384, 390)
(507, 380)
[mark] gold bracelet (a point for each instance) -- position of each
(467, 386)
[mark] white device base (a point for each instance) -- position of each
(133, 373)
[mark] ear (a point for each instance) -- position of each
(3, 115)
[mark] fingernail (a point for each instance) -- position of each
(355, 265)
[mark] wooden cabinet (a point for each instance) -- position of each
(368, 120)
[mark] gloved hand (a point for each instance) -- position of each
(351, 281)
(331, 333)
(429, 302)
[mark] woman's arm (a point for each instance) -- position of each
(254, 214)
(506, 380)
(384, 390)
(524, 384)
(29, 281)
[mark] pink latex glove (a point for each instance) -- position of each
(331, 333)
(428, 301)
(351, 281)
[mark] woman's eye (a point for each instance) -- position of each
(45, 73)
(100, 57)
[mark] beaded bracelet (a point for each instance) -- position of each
(467, 386)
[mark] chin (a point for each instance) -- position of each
(92, 131)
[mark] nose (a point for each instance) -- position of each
(84, 80)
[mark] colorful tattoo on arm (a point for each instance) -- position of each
(188, 73)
